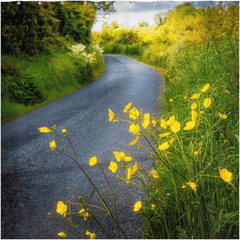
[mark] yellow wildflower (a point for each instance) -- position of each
(125, 110)
(84, 212)
(170, 140)
(226, 175)
(224, 116)
(154, 120)
(53, 145)
(171, 120)
(196, 153)
(128, 159)
(114, 121)
(113, 166)
(183, 186)
(170, 100)
(137, 206)
(133, 142)
(146, 118)
(154, 174)
(206, 87)
(92, 235)
(207, 102)
(119, 156)
(61, 208)
(163, 146)
(201, 112)
(62, 234)
(153, 206)
(195, 96)
(92, 161)
(164, 134)
(44, 130)
(64, 131)
(194, 115)
(175, 126)
(163, 123)
(111, 115)
(193, 106)
(189, 125)
(131, 171)
(134, 128)
(133, 113)
(192, 185)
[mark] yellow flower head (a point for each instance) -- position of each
(92, 235)
(131, 171)
(163, 146)
(163, 123)
(170, 100)
(61, 208)
(193, 106)
(134, 128)
(92, 161)
(226, 175)
(153, 206)
(133, 113)
(154, 174)
(111, 115)
(154, 121)
(137, 206)
(206, 87)
(201, 113)
(52, 145)
(194, 115)
(128, 159)
(192, 185)
(113, 166)
(44, 130)
(195, 96)
(207, 102)
(125, 110)
(183, 186)
(171, 120)
(189, 125)
(62, 234)
(164, 134)
(64, 131)
(146, 119)
(175, 126)
(120, 156)
(84, 212)
(224, 116)
(133, 142)
(196, 153)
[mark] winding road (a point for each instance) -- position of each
(41, 177)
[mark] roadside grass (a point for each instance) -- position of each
(36, 81)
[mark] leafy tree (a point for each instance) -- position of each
(143, 24)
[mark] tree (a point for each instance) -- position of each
(114, 25)
(143, 24)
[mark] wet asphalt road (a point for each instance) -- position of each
(30, 190)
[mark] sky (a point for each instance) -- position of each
(131, 13)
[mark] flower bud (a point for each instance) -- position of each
(49, 214)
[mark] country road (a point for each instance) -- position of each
(32, 188)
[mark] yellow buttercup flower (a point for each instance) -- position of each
(133, 142)
(164, 134)
(44, 130)
(193, 106)
(113, 166)
(92, 235)
(196, 153)
(61, 208)
(154, 120)
(170, 100)
(194, 115)
(206, 87)
(119, 156)
(175, 126)
(92, 161)
(134, 128)
(111, 115)
(62, 234)
(171, 120)
(224, 116)
(207, 102)
(153, 206)
(189, 125)
(133, 113)
(53, 145)
(195, 96)
(192, 185)
(201, 112)
(163, 146)
(137, 206)
(64, 131)
(154, 174)
(146, 119)
(131, 171)
(163, 123)
(84, 212)
(225, 175)
(183, 186)
(128, 159)
(125, 110)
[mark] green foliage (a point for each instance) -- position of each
(143, 24)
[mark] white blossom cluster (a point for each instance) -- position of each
(98, 48)
(78, 48)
